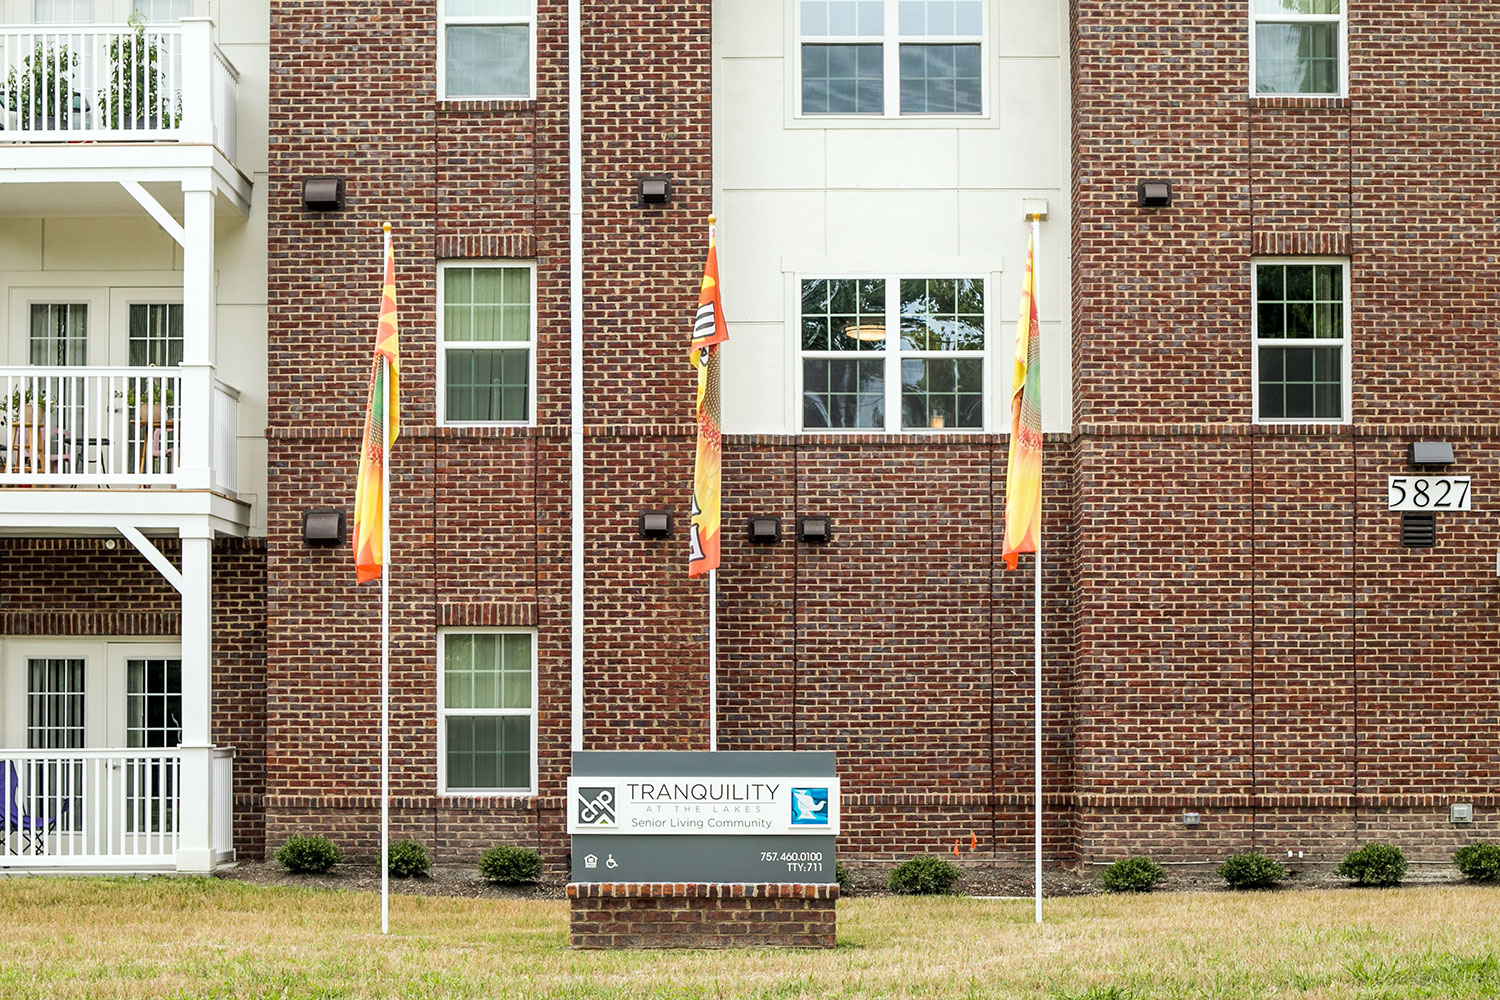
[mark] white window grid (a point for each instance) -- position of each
(444, 713)
(63, 11)
(893, 354)
(163, 11)
(529, 346)
(1284, 17)
(1343, 343)
(445, 21)
(890, 39)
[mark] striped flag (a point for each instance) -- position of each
(1023, 475)
(382, 427)
(709, 331)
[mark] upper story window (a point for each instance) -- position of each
(63, 11)
(487, 713)
(486, 343)
(163, 11)
(1301, 363)
(891, 57)
(1298, 46)
(485, 48)
(893, 354)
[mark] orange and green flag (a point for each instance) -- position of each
(1023, 475)
(709, 331)
(382, 427)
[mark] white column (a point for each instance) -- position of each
(195, 852)
(197, 81)
(199, 307)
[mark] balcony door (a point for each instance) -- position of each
(88, 693)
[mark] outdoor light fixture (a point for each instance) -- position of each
(764, 530)
(323, 527)
(653, 191)
(867, 332)
(323, 194)
(814, 529)
(1191, 819)
(1154, 194)
(656, 523)
(1430, 453)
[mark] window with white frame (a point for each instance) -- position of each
(891, 57)
(486, 338)
(163, 11)
(1301, 310)
(59, 333)
(487, 708)
(1298, 46)
(155, 334)
(893, 353)
(63, 11)
(485, 48)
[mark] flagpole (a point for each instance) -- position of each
(1036, 228)
(713, 659)
(385, 635)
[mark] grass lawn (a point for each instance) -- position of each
(108, 938)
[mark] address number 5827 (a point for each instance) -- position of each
(1428, 493)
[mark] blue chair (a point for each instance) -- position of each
(30, 832)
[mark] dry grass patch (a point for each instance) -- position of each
(124, 938)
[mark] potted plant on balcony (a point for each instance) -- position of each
(41, 93)
(137, 97)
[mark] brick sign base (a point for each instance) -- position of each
(701, 915)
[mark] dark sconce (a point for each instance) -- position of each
(323, 194)
(1430, 453)
(656, 523)
(814, 529)
(1154, 194)
(764, 530)
(323, 527)
(653, 191)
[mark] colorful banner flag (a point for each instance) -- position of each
(1023, 475)
(709, 331)
(382, 427)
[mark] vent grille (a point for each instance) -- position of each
(1419, 531)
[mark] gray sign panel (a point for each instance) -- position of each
(607, 858)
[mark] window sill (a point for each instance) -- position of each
(1299, 101)
(485, 105)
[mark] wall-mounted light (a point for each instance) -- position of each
(764, 530)
(1191, 819)
(656, 523)
(653, 191)
(323, 194)
(1430, 453)
(323, 527)
(1154, 194)
(814, 529)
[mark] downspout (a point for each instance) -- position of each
(575, 358)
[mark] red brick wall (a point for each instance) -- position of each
(702, 916)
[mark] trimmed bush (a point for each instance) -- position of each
(1252, 870)
(407, 858)
(1138, 874)
(843, 878)
(1374, 864)
(308, 854)
(923, 875)
(1479, 862)
(506, 865)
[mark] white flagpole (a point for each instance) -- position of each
(1036, 228)
(713, 658)
(385, 631)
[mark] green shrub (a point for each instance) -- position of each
(1252, 870)
(307, 854)
(923, 875)
(1138, 874)
(1479, 862)
(1374, 864)
(506, 865)
(843, 878)
(407, 858)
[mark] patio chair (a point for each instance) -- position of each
(22, 832)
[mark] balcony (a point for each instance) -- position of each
(172, 428)
(116, 83)
(120, 810)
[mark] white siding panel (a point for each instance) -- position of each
(756, 367)
(756, 229)
(883, 158)
(752, 149)
(893, 223)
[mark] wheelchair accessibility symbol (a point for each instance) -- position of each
(596, 807)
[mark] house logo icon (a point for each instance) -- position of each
(809, 806)
(596, 807)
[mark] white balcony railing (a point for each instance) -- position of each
(79, 426)
(116, 82)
